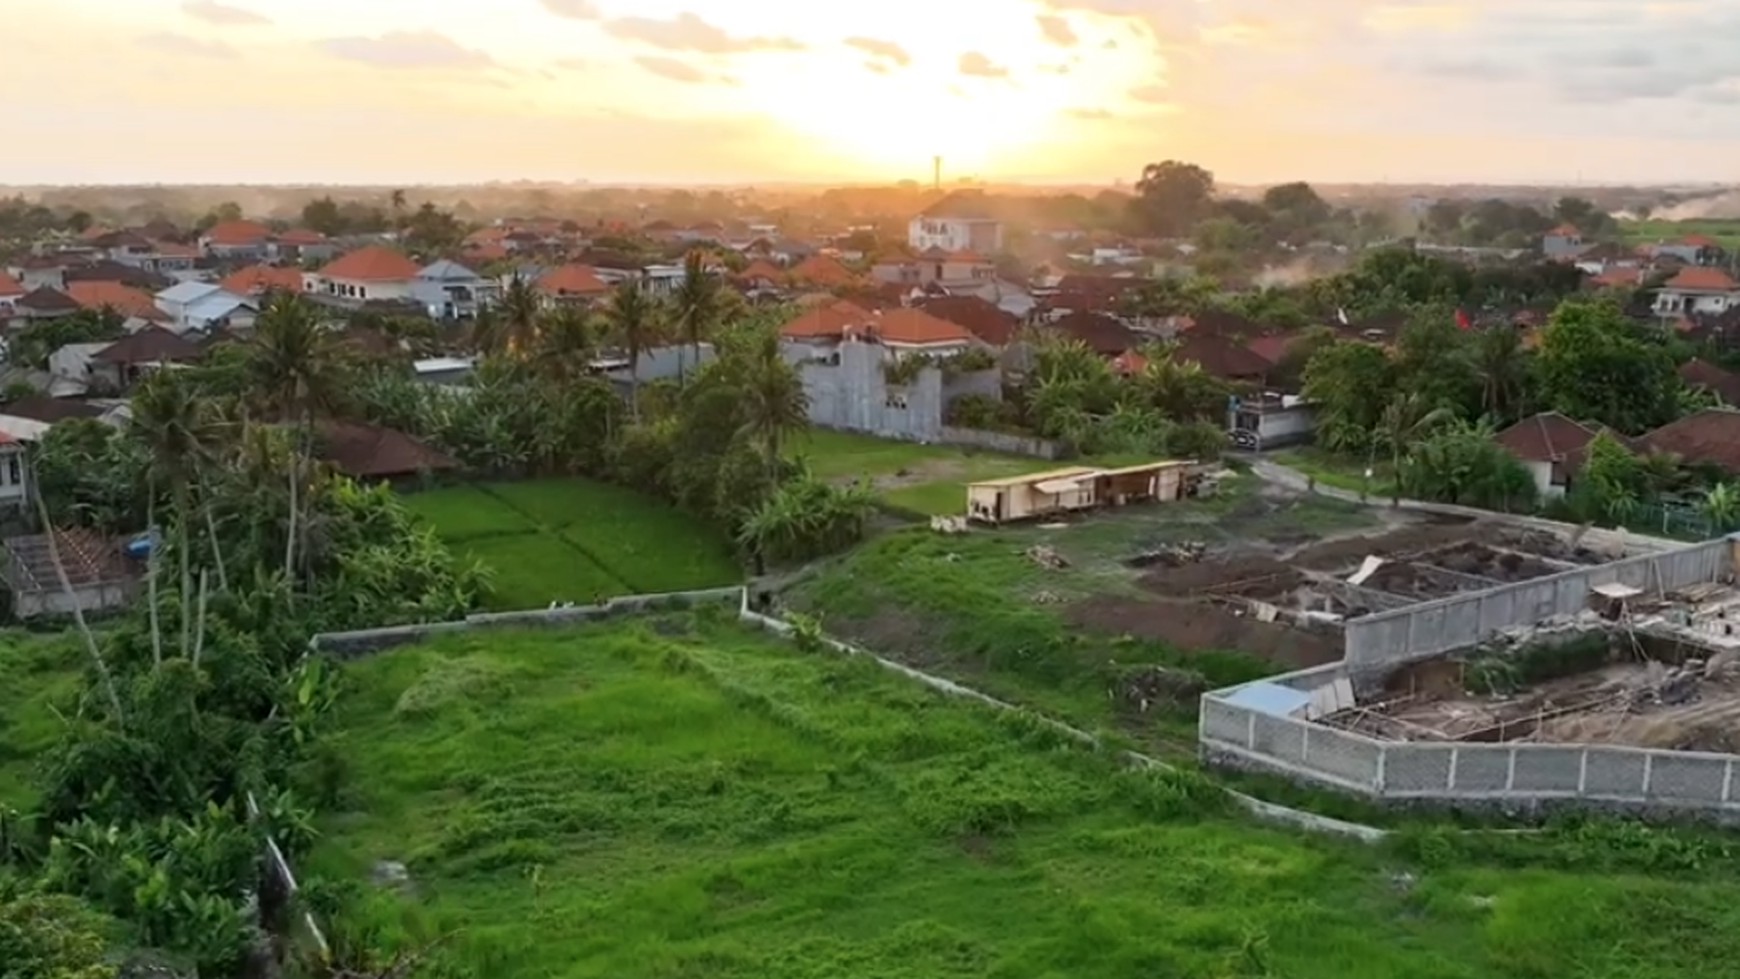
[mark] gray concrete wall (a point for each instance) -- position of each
(854, 395)
(1389, 639)
(1005, 442)
(1504, 775)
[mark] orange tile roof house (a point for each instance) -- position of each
(573, 284)
(236, 239)
(125, 300)
(820, 270)
(1698, 289)
(375, 272)
(257, 280)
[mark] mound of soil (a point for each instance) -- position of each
(1197, 626)
(1187, 579)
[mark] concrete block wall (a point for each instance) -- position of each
(1509, 775)
(1389, 639)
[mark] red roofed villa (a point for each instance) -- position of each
(1551, 446)
(235, 239)
(257, 280)
(372, 273)
(823, 271)
(1698, 289)
(573, 284)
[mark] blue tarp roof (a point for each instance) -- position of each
(1270, 698)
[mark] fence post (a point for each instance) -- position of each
(1583, 774)
(1251, 729)
(1510, 772)
(1648, 773)
(1727, 780)
(1382, 768)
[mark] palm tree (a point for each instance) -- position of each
(1408, 419)
(296, 369)
(1498, 358)
(520, 317)
(774, 403)
(1721, 506)
(179, 429)
(633, 319)
(566, 345)
(398, 204)
(697, 307)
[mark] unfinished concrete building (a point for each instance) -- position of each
(1487, 674)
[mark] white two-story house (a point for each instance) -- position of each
(1697, 289)
(372, 273)
(960, 222)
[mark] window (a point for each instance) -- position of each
(14, 473)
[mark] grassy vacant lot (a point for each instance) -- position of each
(976, 608)
(678, 798)
(575, 540)
(1724, 230)
(39, 674)
(1340, 471)
(928, 479)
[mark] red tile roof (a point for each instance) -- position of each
(174, 249)
(572, 280)
(1700, 241)
(152, 345)
(1565, 231)
(1711, 437)
(9, 286)
(1725, 384)
(1220, 356)
(300, 237)
(1103, 334)
(238, 233)
(375, 263)
(1618, 276)
(915, 326)
(125, 300)
(823, 271)
(373, 452)
(762, 269)
(979, 317)
(1546, 437)
(1698, 279)
(257, 279)
(827, 321)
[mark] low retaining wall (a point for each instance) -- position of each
(285, 879)
(1390, 639)
(361, 642)
(1468, 775)
(1005, 442)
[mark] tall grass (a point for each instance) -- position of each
(679, 798)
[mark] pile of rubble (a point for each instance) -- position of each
(1047, 557)
(1670, 686)
(1170, 555)
(1144, 688)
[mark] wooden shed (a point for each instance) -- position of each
(1057, 491)
(1034, 495)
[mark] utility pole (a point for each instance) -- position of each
(936, 173)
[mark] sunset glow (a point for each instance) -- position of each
(710, 90)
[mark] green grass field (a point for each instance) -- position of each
(39, 675)
(1724, 230)
(1339, 471)
(927, 479)
(575, 540)
(678, 798)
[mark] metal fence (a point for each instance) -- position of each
(1464, 621)
(1466, 772)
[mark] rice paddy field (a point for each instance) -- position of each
(677, 797)
(39, 676)
(1724, 230)
(575, 540)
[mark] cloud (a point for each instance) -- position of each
(877, 67)
(574, 64)
(188, 47)
(406, 49)
(1057, 30)
(880, 49)
(673, 69)
(223, 15)
(571, 9)
(1090, 115)
(1151, 94)
(977, 65)
(687, 32)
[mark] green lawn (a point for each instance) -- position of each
(1340, 471)
(678, 798)
(927, 479)
(1724, 230)
(576, 540)
(39, 675)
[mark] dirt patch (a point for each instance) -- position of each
(1196, 626)
(1190, 579)
(1349, 551)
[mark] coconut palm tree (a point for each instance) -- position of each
(517, 321)
(697, 307)
(774, 403)
(634, 319)
(566, 345)
(1498, 359)
(180, 430)
(297, 369)
(1408, 419)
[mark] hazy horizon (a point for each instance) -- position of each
(662, 93)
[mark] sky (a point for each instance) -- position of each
(732, 91)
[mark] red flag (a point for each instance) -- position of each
(1462, 320)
